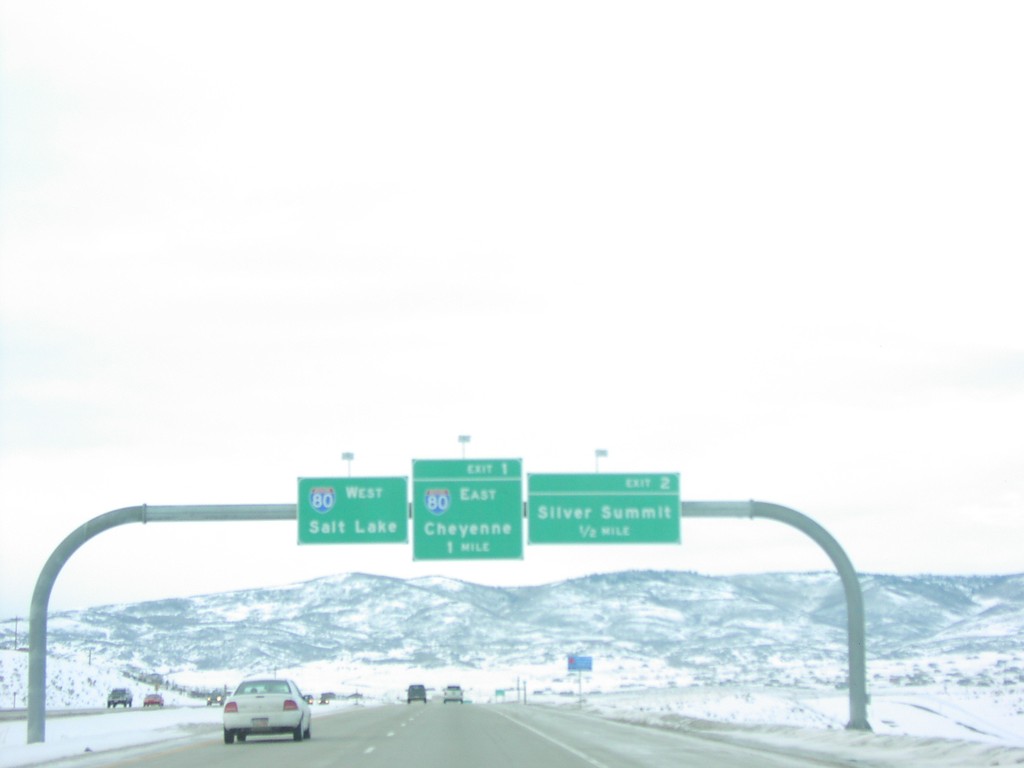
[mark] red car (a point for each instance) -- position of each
(153, 700)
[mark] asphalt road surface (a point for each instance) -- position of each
(465, 736)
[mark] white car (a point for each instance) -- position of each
(453, 693)
(266, 705)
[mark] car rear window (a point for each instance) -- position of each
(264, 686)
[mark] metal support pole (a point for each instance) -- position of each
(851, 585)
(36, 725)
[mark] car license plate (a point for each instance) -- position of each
(260, 722)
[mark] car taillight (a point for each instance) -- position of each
(232, 706)
(290, 704)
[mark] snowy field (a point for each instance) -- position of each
(936, 727)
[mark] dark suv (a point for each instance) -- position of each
(120, 696)
(416, 693)
(215, 698)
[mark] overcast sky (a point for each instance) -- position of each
(772, 246)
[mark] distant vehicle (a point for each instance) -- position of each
(327, 698)
(453, 693)
(153, 700)
(215, 698)
(120, 696)
(266, 706)
(310, 698)
(416, 693)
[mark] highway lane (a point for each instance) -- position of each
(601, 743)
(464, 736)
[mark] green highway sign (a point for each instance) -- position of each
(466, 509)
(604, 509)
(353, 510)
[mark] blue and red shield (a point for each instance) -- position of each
(321, 499)
(437, 500)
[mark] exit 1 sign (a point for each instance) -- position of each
(467, 509)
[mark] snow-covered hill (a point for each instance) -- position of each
(779, 627)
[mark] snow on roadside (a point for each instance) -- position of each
(908, 730)
(900, 711)
(69, 736)
(71, 683)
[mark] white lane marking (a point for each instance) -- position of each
(556, 742)
(390, 734)
(368, 750)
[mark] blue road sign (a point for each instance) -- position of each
(581, 663)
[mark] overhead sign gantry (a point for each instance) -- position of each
(468, 509)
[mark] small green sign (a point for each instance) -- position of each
(604, 509)
(467, 509)
(353, 510)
